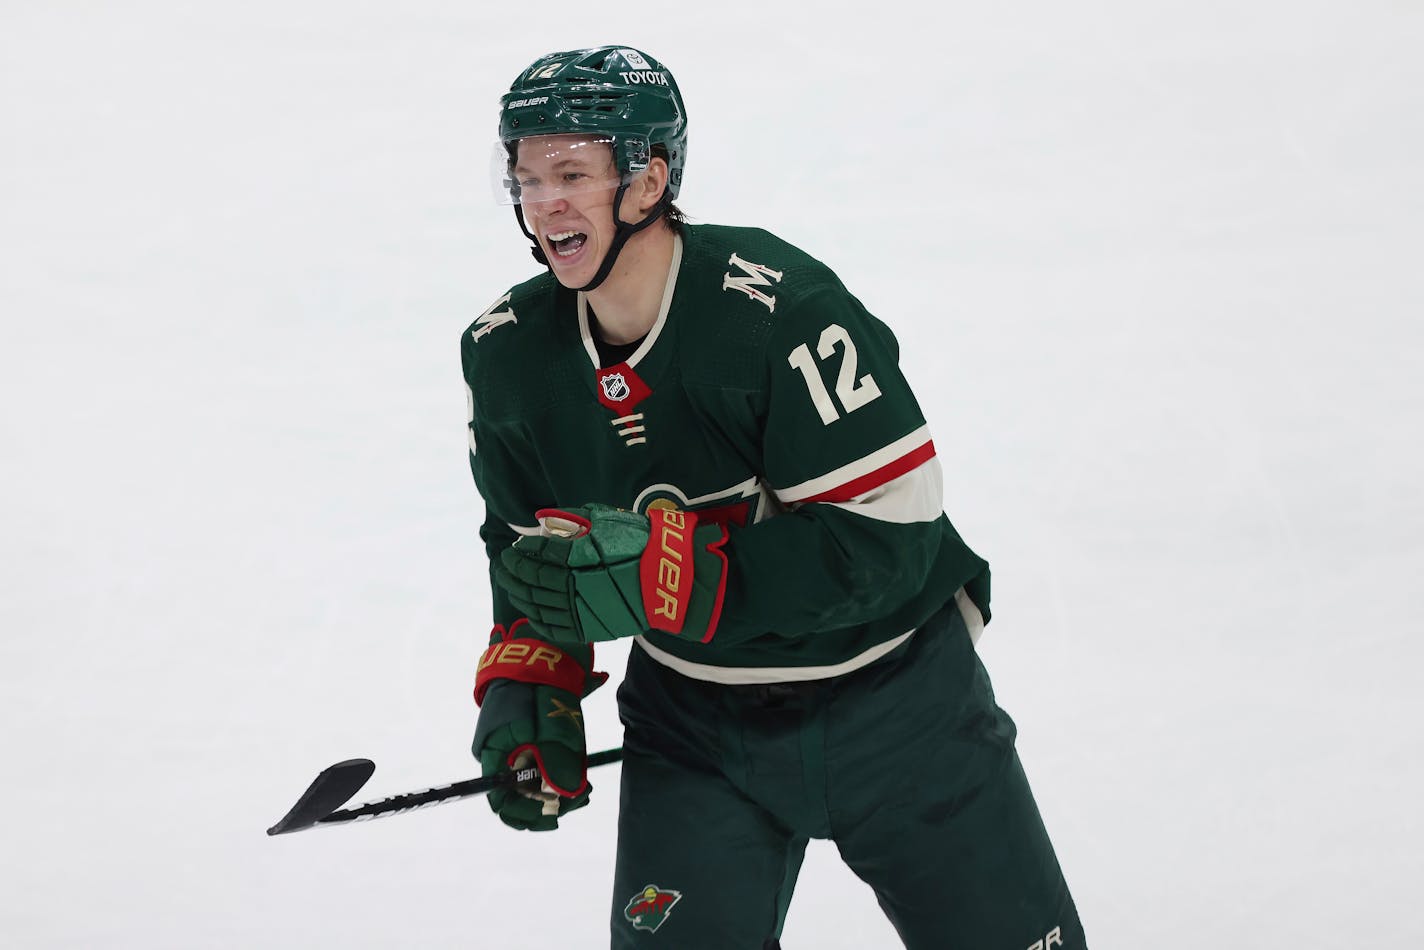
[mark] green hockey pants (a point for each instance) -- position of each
(908, 765)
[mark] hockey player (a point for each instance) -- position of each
(696, 437)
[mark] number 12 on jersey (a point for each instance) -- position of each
(852, 393)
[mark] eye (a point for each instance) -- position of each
(574, 176)
(528, 183)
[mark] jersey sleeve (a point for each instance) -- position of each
(511, 489)
(848, 454)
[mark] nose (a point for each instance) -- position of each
(546, 207)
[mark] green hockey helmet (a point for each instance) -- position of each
(624, 96)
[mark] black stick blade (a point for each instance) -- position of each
(327, 792)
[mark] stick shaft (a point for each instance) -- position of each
(444, 794)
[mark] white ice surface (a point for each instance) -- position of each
(1156, 269)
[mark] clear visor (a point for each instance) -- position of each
(551, 167)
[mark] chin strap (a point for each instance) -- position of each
(622, 231)
(536, 250)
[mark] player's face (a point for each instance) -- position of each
(567, 185)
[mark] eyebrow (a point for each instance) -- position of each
(561, 163)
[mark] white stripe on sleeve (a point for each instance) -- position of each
(915, 497)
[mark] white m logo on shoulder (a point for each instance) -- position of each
(488, 320)
(753, 276)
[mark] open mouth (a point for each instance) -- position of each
(567, 243)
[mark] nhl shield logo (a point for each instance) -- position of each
(619, 388)
(649, 910)
(615, 387)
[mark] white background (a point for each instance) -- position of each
(1156, 271)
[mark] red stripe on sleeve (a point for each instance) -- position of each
(885, 473)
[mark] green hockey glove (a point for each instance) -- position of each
(529, 693)
(599, 573)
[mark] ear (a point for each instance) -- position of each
(651, 185)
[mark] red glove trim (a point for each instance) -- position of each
(544, 773)
(528, 661)
(716, 548)
(583, 523)
(665, 569)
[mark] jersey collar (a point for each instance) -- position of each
(586, 331)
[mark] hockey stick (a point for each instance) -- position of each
(321, 803)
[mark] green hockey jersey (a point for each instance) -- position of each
(765, 397)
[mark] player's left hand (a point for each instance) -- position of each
(599, 573)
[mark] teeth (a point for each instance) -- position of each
(567, 243)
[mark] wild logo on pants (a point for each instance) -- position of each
(649, 910)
